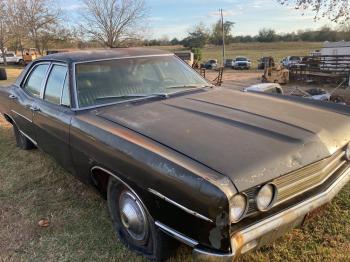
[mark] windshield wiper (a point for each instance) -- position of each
(186, 86)
(121, 97)
(162, 95)
(133, 96)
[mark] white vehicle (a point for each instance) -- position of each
(229, 63)
(11, 57)
(242, 63)
(335, 48)
(272, 88)
(290, 61)
(335, 57)
(186, 56)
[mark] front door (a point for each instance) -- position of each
(24, 99)
(53, 115)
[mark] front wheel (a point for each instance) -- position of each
(134, 225)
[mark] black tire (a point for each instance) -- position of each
(21, 141)
(154, 244)
(3, 75)
(21, 62)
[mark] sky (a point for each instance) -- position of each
(175, 18)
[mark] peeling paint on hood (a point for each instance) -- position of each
(250, 138)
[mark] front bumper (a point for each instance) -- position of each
(275, 226)
(241, 66)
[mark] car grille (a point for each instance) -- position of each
(301, 180)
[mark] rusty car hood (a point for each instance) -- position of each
(251, 138)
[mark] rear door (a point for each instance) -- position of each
(24, 99)
(53, 115)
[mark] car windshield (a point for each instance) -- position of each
(294, 58)
(116, 80)
(239, 59)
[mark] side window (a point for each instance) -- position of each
(55, 84)
(66, 93)
(35, 81)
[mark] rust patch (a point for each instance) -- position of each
(238, 240)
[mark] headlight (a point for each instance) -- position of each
(266, 197)
(238, 208)
(347, 152)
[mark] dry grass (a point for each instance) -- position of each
(12, 73)
(254, 51)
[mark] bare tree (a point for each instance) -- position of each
(335, 10)
(16, 23)
(112, 22)
(4, 30)
(39, 17)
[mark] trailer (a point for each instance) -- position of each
(341, 48)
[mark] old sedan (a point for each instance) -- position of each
(222, 171)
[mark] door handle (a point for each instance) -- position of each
(12, 96)
(34, 108)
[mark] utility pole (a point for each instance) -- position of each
(223, 37)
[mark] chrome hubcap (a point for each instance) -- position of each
(133, 216)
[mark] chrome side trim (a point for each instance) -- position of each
(112, 103)
(26, 118)
(121, 58)
(288, 216)
(179, 206)
(74, 86)
(29, 138)
(173, 233)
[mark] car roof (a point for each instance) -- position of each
(102, 54)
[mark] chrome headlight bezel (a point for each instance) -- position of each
(244, 209)
(273, 198)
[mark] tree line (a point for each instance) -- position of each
(200, 36)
